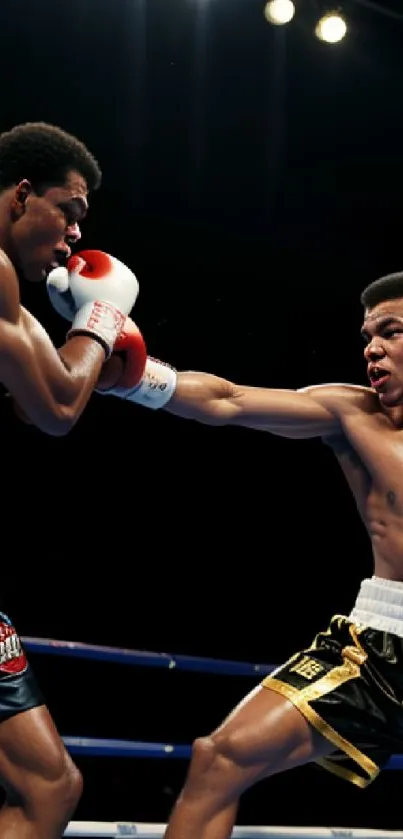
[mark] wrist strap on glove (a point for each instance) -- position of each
(99, 320)
(155, 389)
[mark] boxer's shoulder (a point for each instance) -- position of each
(9, 289)
(33, 329)
(8, 273)
(343, 399)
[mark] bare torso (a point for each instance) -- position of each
(379, 498)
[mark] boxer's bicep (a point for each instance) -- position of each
(287, 413)
(315, 411)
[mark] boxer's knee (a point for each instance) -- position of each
(57, 794)
(214, 767)
(66, 790)
(204, 755)
(70, 787)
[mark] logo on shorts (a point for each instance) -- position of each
(12, 657)
(308, 668)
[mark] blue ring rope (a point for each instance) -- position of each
(130, 748)
(127, 748)
(94, 652)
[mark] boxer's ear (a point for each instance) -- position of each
(21, 192)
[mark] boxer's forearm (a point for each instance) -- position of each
(68, 385)
(203, 397)
(83, 359)
(210, 399)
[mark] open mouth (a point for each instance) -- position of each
(378, 378)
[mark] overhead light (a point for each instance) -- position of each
(331, 28)
(279, 11)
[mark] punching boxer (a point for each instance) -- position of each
(46, 176)
(338, 703)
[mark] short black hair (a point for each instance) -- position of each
(389, 287)
(43, 154)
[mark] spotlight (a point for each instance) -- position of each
(331, 28)
(279, 11)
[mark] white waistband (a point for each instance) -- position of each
(379, 605)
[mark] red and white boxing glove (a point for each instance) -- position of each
(143, 380)
(96, 292)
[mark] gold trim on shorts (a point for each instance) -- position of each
(350, 669)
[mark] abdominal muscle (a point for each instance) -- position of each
(380, 511)
(385, 529)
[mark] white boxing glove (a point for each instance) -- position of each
(96, 292)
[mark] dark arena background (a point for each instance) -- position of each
(252, 179)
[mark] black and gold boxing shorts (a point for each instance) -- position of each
(349, 685)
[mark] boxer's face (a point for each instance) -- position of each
(383, 334)
(45, 226)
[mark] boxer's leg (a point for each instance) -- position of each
(264, 735)
(306, 710)
(42, 784)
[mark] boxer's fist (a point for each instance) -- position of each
(96, 292)
(125, 369)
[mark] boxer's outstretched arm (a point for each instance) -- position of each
(317, 411)
(50, 388)
(310, 412)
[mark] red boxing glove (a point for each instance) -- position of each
(138, 378)
(125, 369)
